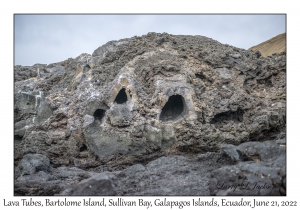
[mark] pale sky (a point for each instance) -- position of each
(52, 38)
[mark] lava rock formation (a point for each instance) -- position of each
(158, 114)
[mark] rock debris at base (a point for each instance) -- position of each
(159, 114)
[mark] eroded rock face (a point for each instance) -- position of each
(252, 168)
(136, 99)
(210, 174)
(30, 109)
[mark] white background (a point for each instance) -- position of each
(8, 8)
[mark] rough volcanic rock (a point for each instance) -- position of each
(33, 163)
(30, 109)
(141, 98)
(99, 184)
(261, 170)
(257, 171)
(248, 169)
(50, 182)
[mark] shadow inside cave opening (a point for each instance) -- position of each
(174, 109)
(99, 114)
(121, 97)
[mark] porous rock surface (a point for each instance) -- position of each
(165, 105)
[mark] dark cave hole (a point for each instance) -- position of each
(99, 114)
(83, 148)
(17, 139)
(200, 76)
(267, 82)
(236, 116)
(225, 84)
(267, 134)
(121, 97)
(174, 108)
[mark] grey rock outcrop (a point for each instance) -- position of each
(141, 98)
(260, 170)
(33, 163)
(30, 110)
(247, 169)
(51, 182)
(99, 184)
